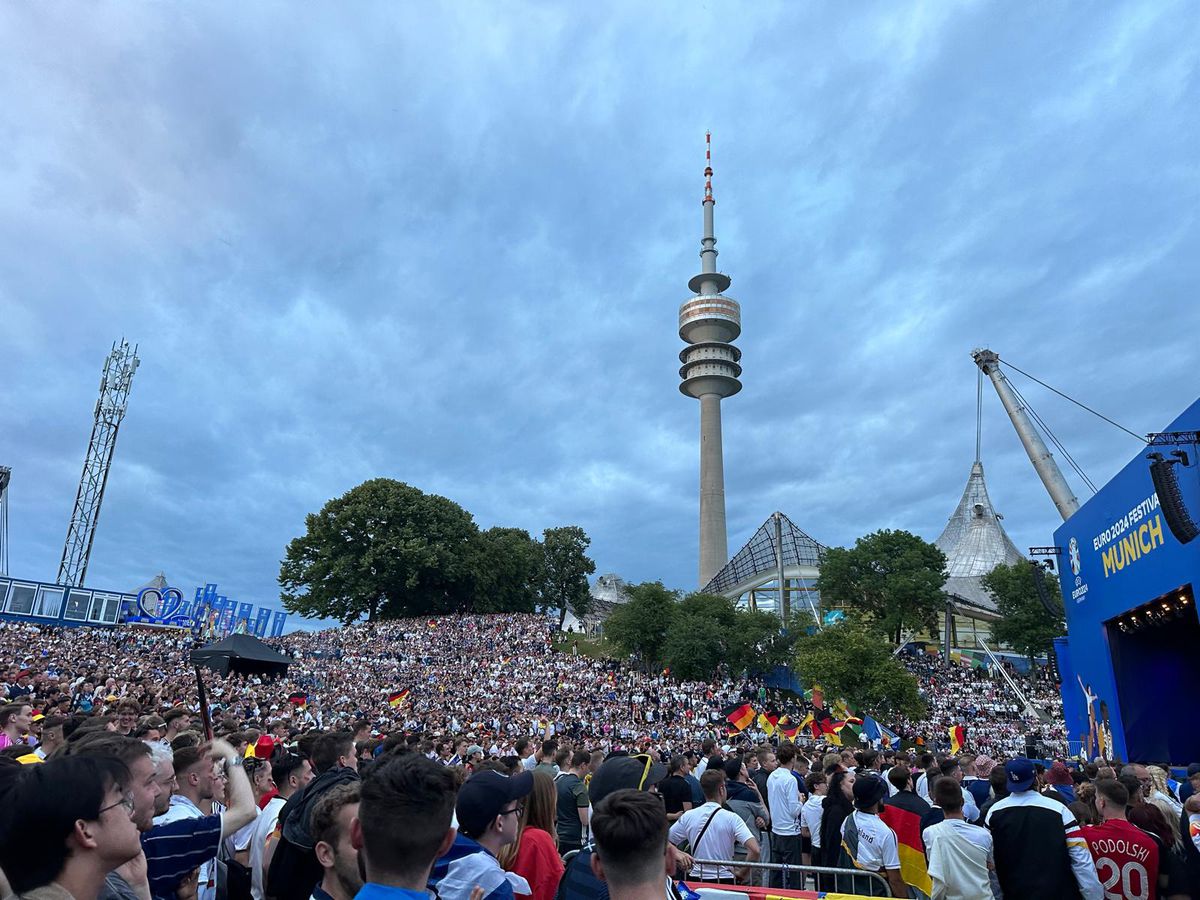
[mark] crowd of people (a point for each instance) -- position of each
(982, 702)
(464, 757)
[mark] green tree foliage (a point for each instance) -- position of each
(566, 567)
(639, 626)
(383, 549)
(508, 571)
(708, 632)
(891, 579)
(853, 661)
(1024, 624)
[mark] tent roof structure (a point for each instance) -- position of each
(756, 562)
(975, 542)
(241, 653)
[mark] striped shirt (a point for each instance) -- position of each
(175, 849)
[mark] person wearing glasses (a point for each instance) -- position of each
(64, 825)
(489, 809)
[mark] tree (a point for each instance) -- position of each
(1025, 624)
(639, 626)
(382, 549)
(759, 643)
(890, 579)
(693, 647)
(851, 660)
(565, 570)
(508, 571)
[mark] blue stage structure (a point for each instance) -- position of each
(208, 614)
(1128, 565)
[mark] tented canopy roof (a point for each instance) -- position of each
(243, 653)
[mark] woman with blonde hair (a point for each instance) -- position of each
(534, 854)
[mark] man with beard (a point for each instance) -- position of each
(331, 820)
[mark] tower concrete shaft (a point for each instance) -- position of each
(709, 323)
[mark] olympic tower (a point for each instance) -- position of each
(709, 323)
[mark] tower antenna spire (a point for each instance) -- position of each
(708, 197)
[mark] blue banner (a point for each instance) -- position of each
(262, 622)
(277, 623)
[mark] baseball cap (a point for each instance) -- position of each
(1193, 769)
(484, 795)
(618, 773)
(869, 790)
(1019, 774)
(473, 749)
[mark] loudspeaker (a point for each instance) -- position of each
(1039, 582)
(1170, 500)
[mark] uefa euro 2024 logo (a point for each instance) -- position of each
(1073, 553)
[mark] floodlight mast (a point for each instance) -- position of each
(115, 382)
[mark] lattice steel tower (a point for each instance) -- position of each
(122, 362)
(709, 322)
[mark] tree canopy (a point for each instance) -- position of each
(1025, 624)
(889, 579)
(853, 661)
(383, 548)
(639, 626)
(386, 549)
(508, 571)
(566, 567)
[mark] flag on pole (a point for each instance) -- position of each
(298, 698)
(740, 717)
(958, 737)
(768, 721)
(870, 729)
(788, 728)
(397, 697)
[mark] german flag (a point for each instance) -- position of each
(902, 814)
(397, 697)
(958, 737)
(298, 698)
(788, 729)
(740, 717)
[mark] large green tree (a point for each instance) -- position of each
(891, 579)
(639, 626)
(709, 632)
(853, 661)
(565, 569)
(382, 549)
(508, 571)
(1025, 624)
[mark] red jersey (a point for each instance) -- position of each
(1126, 860)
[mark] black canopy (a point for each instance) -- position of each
(242, 653)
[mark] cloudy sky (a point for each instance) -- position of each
(447, 243)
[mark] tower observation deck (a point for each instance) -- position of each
(709, 322)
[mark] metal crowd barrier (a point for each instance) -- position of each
(830, 879)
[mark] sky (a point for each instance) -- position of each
(447, 244)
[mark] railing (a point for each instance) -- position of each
(830, 879)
